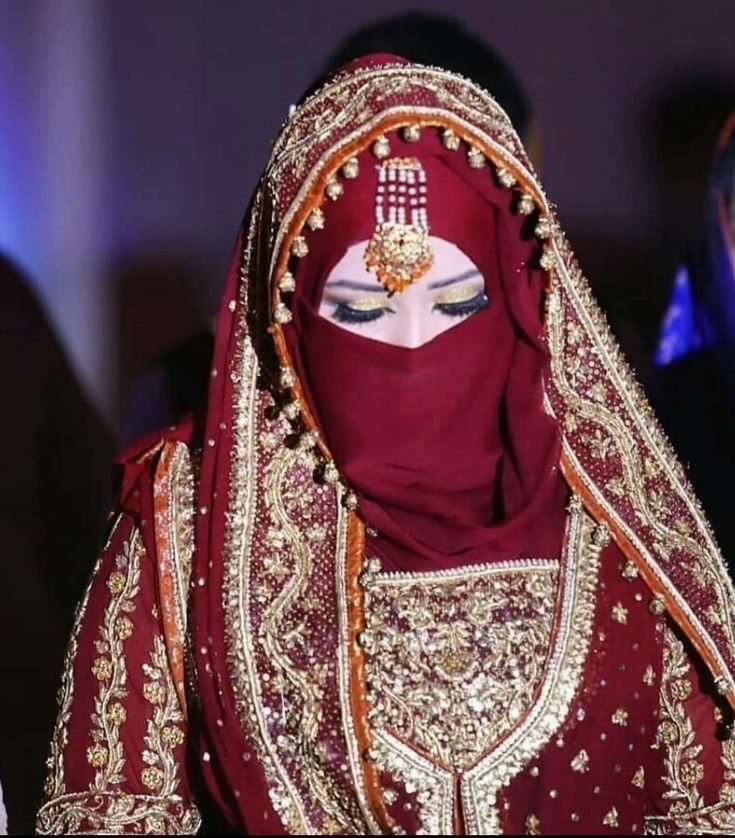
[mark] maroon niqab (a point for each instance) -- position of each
(447, 445)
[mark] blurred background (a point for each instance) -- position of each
(132, 133)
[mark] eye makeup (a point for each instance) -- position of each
(458, 301)
(462, 305)
(360, 310)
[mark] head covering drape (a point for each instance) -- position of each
(447, 444)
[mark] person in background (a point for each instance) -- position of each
(54, 495)
(694, 385)
(441, 40)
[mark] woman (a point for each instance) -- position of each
(442, 573)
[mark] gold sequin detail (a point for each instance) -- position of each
(611, 818)
(620, 613)
(639, 778)
(681, 689)
(628, 570)
(620, 717)
(533, 825)
(124, 628)
(153, 692)
(581, 763)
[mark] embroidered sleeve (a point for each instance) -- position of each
(116, 761)
(696, 793)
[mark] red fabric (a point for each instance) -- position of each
(446, 444)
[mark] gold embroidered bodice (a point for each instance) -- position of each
(454, 658)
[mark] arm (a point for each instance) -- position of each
(117, 760)
(696, 792)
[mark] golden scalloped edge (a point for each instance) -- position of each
(115, 813)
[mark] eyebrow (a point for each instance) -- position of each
(351, 285)
(442, 283)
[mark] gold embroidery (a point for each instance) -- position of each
(688, 813)
(105, 808)
(620, 717)
(657, 511)
(324, 126)
(533, 825)
(162, 732)
(619, 613)
(639, 778)
(581, 763)
(649, 676)
(113, 813)
(453, 660)
(107, 753)
(676, 733)
(611, 819)
(273, 613)
(480, 786)
(628, 570)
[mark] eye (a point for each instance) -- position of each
(461, 302)
(360, 310)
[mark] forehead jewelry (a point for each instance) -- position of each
(399, 252)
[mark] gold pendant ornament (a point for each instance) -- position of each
(399, 252)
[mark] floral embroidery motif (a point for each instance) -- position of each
(620, 717)
(112, 813)
(581, 762)
(620, 613)
(688, 812)
(533, 825)
(163, 735)
(105, 807)
(480, 783)
(676, 733)
(107, 753)
(623, 442)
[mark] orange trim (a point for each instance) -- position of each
(358, 696)
(163, 515)
(631, 553)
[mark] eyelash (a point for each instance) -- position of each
(463, 308)
(343, 313)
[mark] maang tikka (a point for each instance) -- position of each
(399, 252)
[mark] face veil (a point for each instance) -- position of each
(435, 439)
